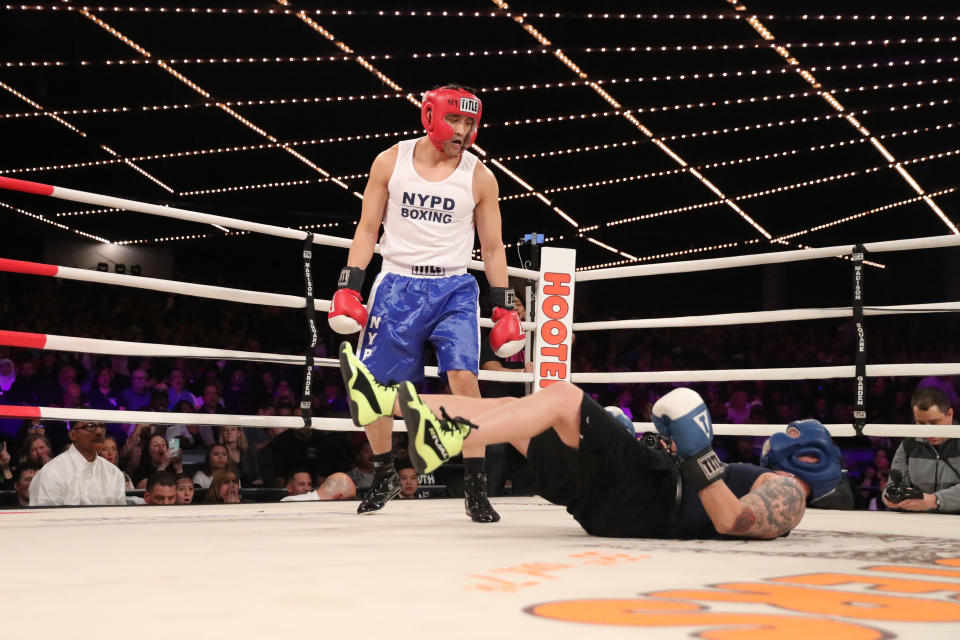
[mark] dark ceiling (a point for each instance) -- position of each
(89, 88)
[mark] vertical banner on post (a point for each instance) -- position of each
(312, 335)
(860, 407)
(554, 307)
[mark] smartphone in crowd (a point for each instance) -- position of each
(173, 447)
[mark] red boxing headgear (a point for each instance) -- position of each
(438, 103)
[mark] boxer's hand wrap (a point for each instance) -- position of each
(701, 469)
(347, 314)
(502, 297)
(351, 278)
(682, 416)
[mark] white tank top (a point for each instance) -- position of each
(428, 226)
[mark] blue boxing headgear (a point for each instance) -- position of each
(782, 453)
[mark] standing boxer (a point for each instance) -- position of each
(582, 458)
(429, 194)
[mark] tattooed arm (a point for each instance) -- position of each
(774, 506)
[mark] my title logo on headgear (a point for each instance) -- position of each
(470, 105)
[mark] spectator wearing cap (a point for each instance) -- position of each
(79, 476)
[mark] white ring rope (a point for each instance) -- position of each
(344, 424)
(162, 417)
(87, 197)
(758, 317)
(790, 373)
(683, 266)
(182, 288)
(119, 347)
(776, 257)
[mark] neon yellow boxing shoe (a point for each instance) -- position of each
(369, 399)
(432, 440)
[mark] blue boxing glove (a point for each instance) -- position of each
(622, 419)
(682, 416)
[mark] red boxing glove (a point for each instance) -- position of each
(347, 314)
(506, 337)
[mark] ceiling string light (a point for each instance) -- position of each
(229, 233)
(563, 58)
(716, 247)
(783, 70)
(782, 188)
(772, 190)
(670, 254)
(382, 77)
(270, 185)
(198, 89)
(449, 13)
(216, 150)
(806, 119)
(409, 132)
(478, 53)
(54, 223)
(828, 97)
(711, 165)
(865, 213)
(607, 181)
(40, 110)
(84, 212)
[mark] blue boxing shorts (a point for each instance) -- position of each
(406, 312)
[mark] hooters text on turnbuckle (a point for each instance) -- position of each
(553, 332)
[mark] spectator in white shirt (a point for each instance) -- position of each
(78, 476)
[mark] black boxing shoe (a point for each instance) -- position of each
(385, 487)
(475, 498)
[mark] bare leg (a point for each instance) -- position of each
(379, 433)
(464, 384)
(517, 419)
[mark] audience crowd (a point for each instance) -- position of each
(170, 462)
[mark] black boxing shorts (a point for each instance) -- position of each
(612, 485)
